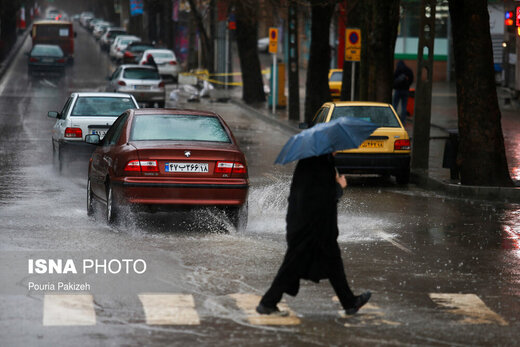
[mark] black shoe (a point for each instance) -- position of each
(360, 301)
(275, 311)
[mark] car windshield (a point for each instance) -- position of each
(101, 106)
(139, 48)
(178, 128)
(115, 33)
(163, 55)
(382, 116)
(141, 74)
(47, 50)
(336, 76)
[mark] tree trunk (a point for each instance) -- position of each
(247, 36)
(7, 25)
(353, 20)
(317, 85)
(379, 33)
(481, 151)
(205, 38)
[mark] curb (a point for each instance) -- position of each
(4, 65)
(502, 194)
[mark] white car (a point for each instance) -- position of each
(165, 60)
(110, 34)
(83, 114)
(120, 43)
(100, 28)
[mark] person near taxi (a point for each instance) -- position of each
(403, 79)
(313, 252)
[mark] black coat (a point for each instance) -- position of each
(403, 76)
(312, 228)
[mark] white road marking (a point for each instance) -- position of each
(248, 303)
(49, 83)
(68, 309)
(470, 306)
(169, 309)
(370, 314)
(389, 238)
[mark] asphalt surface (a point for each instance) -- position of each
(443, 270)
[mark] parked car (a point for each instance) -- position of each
(119, 45)
(165, 60)
(108, 37)
(141, 81)
(335, 82)
(168, 158)
(46, 58)
(386, 151)
(100, 28)
(84, 16)
(134, 50)
(82, 114)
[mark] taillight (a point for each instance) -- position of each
(33, 60)
(173, 62)
(334, 91)
(62, 60)
(128, 54)
(142, 166)
(73, 133)
(121, 83)
(400, 145)
(161, 84)
(227, 167)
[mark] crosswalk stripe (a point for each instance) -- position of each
(248, 303)
(470, 306)
(169, 309)
(370, 314)
(68, 309)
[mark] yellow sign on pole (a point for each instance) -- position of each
(273, 40)
(353, 45)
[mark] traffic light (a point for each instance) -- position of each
(508, 21)
(517, 16)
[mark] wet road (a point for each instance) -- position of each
(442, 271)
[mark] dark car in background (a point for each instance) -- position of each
(46, 59)
(168, 158)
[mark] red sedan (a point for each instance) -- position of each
(168, 157)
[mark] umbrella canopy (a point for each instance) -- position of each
(339, 134)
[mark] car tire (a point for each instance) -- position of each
(111, 207)
(403, 177)
(90, 202)
(238, 217)
(160, 104)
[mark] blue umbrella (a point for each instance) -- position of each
(339, 134)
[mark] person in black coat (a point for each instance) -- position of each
(313, 252)
(403, 79)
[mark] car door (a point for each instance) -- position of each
(103, 157)
(58, 130)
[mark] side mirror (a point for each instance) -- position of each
(53, 114)
(304, 125)
(92, 139)
(75, 34)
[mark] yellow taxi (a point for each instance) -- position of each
(335, 78)
(386, 151)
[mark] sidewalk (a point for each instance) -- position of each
(443, 118)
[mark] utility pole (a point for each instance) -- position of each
(423, 92)
(294, 83)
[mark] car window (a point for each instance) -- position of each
(47, 50)
(141, 74)
(115, 130)
(178, 128)
(163, 55)
(101, 106)
(65, 108)
(115, 74)
(336, 76)
(320, 116)
(381, 116)
(139, 48)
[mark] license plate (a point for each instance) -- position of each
(100, 132)
(47, 60)
(186, 167)
(142, 87)
(372, 144)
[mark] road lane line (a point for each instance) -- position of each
(369, 314)
(68, 309)
(248, 303)
(470, 306)
(388, 238)
(169, 309)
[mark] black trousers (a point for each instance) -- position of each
(336, 275)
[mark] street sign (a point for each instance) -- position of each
(273, 40)
(353, 45)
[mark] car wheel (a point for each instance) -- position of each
(238, 217)
(90, 203)
(160, 104)
(403, 177)
(112, 209)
